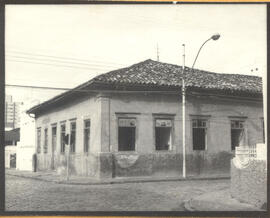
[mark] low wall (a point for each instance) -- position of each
(159, 164)
(249, 182)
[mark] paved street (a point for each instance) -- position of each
(23, 194)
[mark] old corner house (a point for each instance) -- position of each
(128, 122)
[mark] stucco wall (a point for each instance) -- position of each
(214, 160)
(80, 109)
(105, 160)
(219, 110)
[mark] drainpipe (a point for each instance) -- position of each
(183, 114)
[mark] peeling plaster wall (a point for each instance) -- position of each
(105, 161)
(146, 161)
(80, 163)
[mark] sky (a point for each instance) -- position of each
(66, 45)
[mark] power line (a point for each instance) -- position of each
(37, 87)
(60, 61)
(57, 65)
(60, 57)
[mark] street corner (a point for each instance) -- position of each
(217, 201)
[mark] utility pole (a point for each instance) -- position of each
(183, 113)
(213, 37)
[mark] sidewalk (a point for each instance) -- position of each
(217, 201)
(51, 176)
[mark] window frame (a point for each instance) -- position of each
(123, 115)
(163, 116)
(39, 147)
(46, 140)
(72, 148)
(205, 118)
(62, 141)
(54, 125)
(240, 119)
(84, 141)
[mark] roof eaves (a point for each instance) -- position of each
(58, 97)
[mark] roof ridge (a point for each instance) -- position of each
(150, 72)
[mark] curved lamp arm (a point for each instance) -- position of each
(214, 37)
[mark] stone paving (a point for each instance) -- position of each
(26, 194)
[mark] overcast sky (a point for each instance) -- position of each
(66, 45)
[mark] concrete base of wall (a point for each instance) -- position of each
(160, 164)
(249, 183)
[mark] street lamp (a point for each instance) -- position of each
(214, 37)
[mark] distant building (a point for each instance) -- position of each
(26, 145)
(12, 136)
(12, 113)
(128, 122)
(10, 156)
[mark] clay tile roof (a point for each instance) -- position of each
(151, 73)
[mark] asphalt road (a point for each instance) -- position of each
(23, 194)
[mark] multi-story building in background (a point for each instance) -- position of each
(12, 113)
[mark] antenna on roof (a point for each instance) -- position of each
(157, 53)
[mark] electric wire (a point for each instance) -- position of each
(61, 61)
(57, 65)
(61, 57)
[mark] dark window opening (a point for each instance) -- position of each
(45, 148)
(126, 134)
(86, 135)
(53, 139)
(38, 141)
(63, 133)
(237, 133)
(72, 136)
(199, 131)
(163, 134)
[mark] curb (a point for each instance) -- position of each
(119, 181)
(192, 203)
(29, 177)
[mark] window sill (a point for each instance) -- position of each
(126, 152)
(199, 150)
(164, 151)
